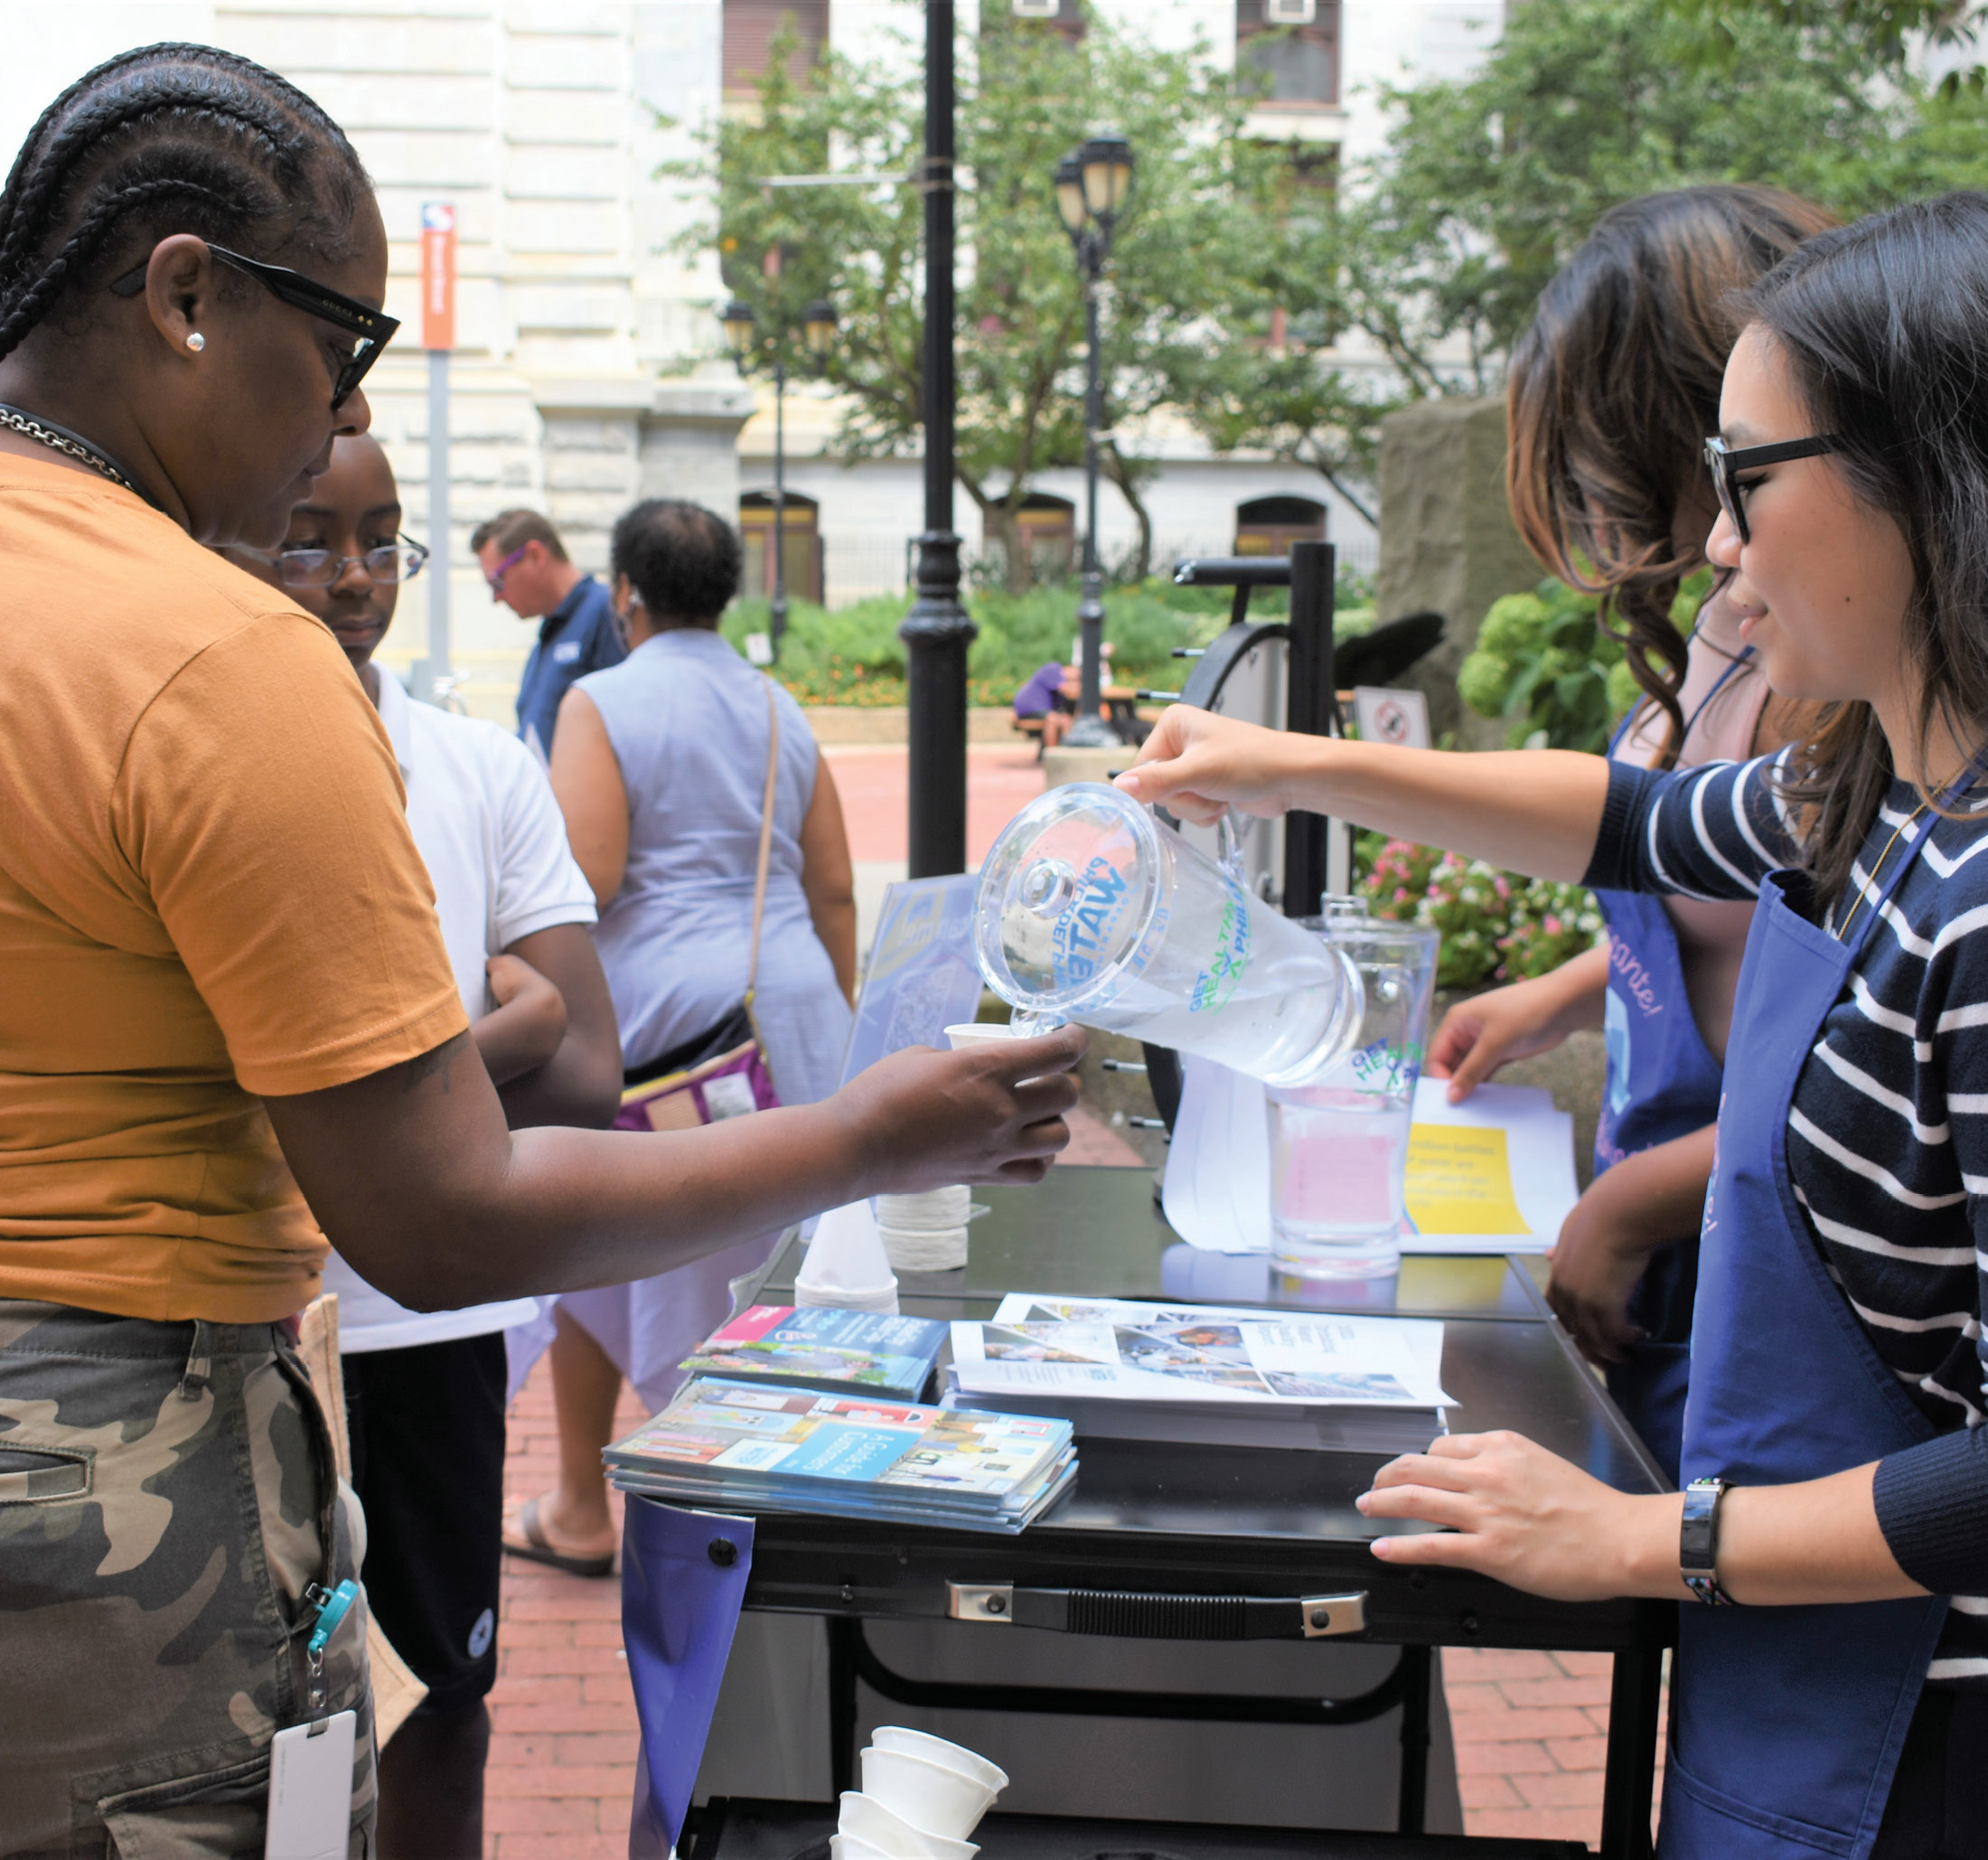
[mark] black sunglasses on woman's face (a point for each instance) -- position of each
(374, 328)
(1727, 463)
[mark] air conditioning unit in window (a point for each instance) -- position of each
(1281, 12)
(1038, 9)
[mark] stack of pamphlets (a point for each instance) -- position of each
(818, 1348)
(1208, 1374)
(743, 1444)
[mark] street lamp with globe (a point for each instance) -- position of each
(1094, 184)
(741, 322)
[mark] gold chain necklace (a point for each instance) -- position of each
(1844, 929)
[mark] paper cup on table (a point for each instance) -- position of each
(870, 1820)
(928, 1795)
(849, 1846)
(937, 1750)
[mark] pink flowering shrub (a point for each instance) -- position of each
(1496, 927)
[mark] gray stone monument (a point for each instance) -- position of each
(1446, 542)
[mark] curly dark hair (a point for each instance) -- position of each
(683, 559)
(1614, 387)
(168, 138)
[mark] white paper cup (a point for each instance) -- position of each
(977, 1033)
(930, 1795)
(936, 1750)
(870, 1820)
(847, 1846)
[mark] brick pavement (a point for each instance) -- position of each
(1532, 1732)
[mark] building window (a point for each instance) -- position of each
(800, 539)
(1268, 526)
(1048, 525)
(1066, 22)
(750, 29)
(1300, 64)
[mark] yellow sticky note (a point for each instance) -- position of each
(1459, 1181)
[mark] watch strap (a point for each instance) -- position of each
(1698, 1541)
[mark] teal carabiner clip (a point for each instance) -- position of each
(328, 1615)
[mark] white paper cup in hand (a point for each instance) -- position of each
(937, 1750)
(977, 1033)
(928, 1795)
(870, 1821)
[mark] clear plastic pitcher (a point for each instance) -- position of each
(1339, 1140)
(1089, 910)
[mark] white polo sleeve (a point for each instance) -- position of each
(538, 882)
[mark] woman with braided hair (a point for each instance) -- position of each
(228, 1014)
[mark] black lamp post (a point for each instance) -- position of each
(818, 332)
(1093, 187)
(937, 632)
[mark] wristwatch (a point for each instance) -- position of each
(1698, 1541)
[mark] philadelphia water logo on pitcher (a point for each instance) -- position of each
(1098, 908)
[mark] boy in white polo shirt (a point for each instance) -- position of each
(424, 1391)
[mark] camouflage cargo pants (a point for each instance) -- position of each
(166, 1494)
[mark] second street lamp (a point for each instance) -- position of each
(818, 333)
(1092, 186)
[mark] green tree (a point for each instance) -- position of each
(1437, 252)
(1890, 32)
(1027, 96)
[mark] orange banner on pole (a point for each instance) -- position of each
(437, 274)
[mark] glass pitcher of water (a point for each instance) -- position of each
(1339, 1138)
(1089, 910)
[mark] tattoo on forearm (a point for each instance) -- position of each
(416, 1071)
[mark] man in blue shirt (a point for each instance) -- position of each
(529, 570)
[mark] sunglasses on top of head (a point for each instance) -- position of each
(373, 328)
(1727, 464)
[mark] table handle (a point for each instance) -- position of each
(1135, 1615)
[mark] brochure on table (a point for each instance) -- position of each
(1092, 1349)
(1495, 1174)
(729, 1443)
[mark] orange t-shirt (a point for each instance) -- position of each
(208, 895)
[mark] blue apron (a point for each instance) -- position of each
(1789, 1720)
(1662, 1084)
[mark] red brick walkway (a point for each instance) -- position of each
(1532, 1732)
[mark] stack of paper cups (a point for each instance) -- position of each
(921, 1799)
(847, 1267)
(924, 1232)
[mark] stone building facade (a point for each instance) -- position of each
(589, 370)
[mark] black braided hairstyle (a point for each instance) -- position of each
(168, 138)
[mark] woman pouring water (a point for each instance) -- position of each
(1838, 1488)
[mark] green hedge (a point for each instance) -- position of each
(852, 655)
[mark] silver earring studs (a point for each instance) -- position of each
(196, 341)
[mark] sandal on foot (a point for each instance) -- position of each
(529, 1540)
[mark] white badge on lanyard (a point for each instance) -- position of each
(310, 1791)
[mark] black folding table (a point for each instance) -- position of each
(1169, 1541)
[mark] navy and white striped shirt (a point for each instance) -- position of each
(1888, 1130)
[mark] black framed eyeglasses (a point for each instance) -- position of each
(1727, 463)
(320, 568)
(374, 328)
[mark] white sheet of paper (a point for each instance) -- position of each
(1216, 1192)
